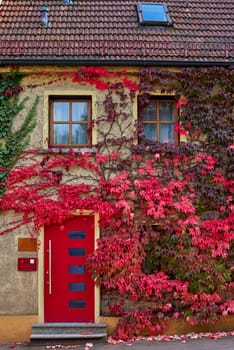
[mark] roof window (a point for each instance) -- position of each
(153, 14)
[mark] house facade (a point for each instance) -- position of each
(67, 51)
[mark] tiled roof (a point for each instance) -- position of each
(107, 30)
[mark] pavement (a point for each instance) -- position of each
(206, 343)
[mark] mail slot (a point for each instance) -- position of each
(27, 264)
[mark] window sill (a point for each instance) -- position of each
(156, 147)
(64, 150)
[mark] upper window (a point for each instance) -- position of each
(153, 13)
(70, 122)
(158, 121)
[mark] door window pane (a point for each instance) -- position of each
(77, 269)
(76, 251)
(61, 111)
(76, 234)
(79, 111)
(77, 287)
(61, 134)
(77, 304)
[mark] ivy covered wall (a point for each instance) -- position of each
(162, 207)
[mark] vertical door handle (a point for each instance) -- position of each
(50, 267)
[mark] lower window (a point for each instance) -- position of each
(70, 122)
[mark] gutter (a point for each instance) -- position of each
(106, 62)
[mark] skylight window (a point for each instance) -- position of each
(153, 13)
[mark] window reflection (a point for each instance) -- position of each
(166, 111)
(79, 134)
(166, 133)
(61, 111)
(154, 12)
(79, 111)
(61, 134)
(150, 112)
(150, 132)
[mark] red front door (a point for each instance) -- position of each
(69, 288)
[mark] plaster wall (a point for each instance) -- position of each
(18, 289)
(45, 87)
(16, 328)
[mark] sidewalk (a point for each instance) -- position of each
(226, 343)
(206, 343)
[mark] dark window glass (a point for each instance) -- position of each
(77, 304)
(77, 287)
(77, 269)
(76, 234)
(76, 251)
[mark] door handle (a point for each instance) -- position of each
(50, 267)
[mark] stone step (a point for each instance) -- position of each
(68, 328)
(66, 336)
(50, 333)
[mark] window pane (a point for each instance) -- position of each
(80, 134)
(79, 111)
(61, 134)
(166, 111)
(154, 12)
(167, 133)
(150, 132)
(150, 112)
(61, 111)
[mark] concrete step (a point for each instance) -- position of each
(61, 333)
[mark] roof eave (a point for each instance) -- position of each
(108, 62)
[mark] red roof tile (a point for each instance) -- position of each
(104, 30)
